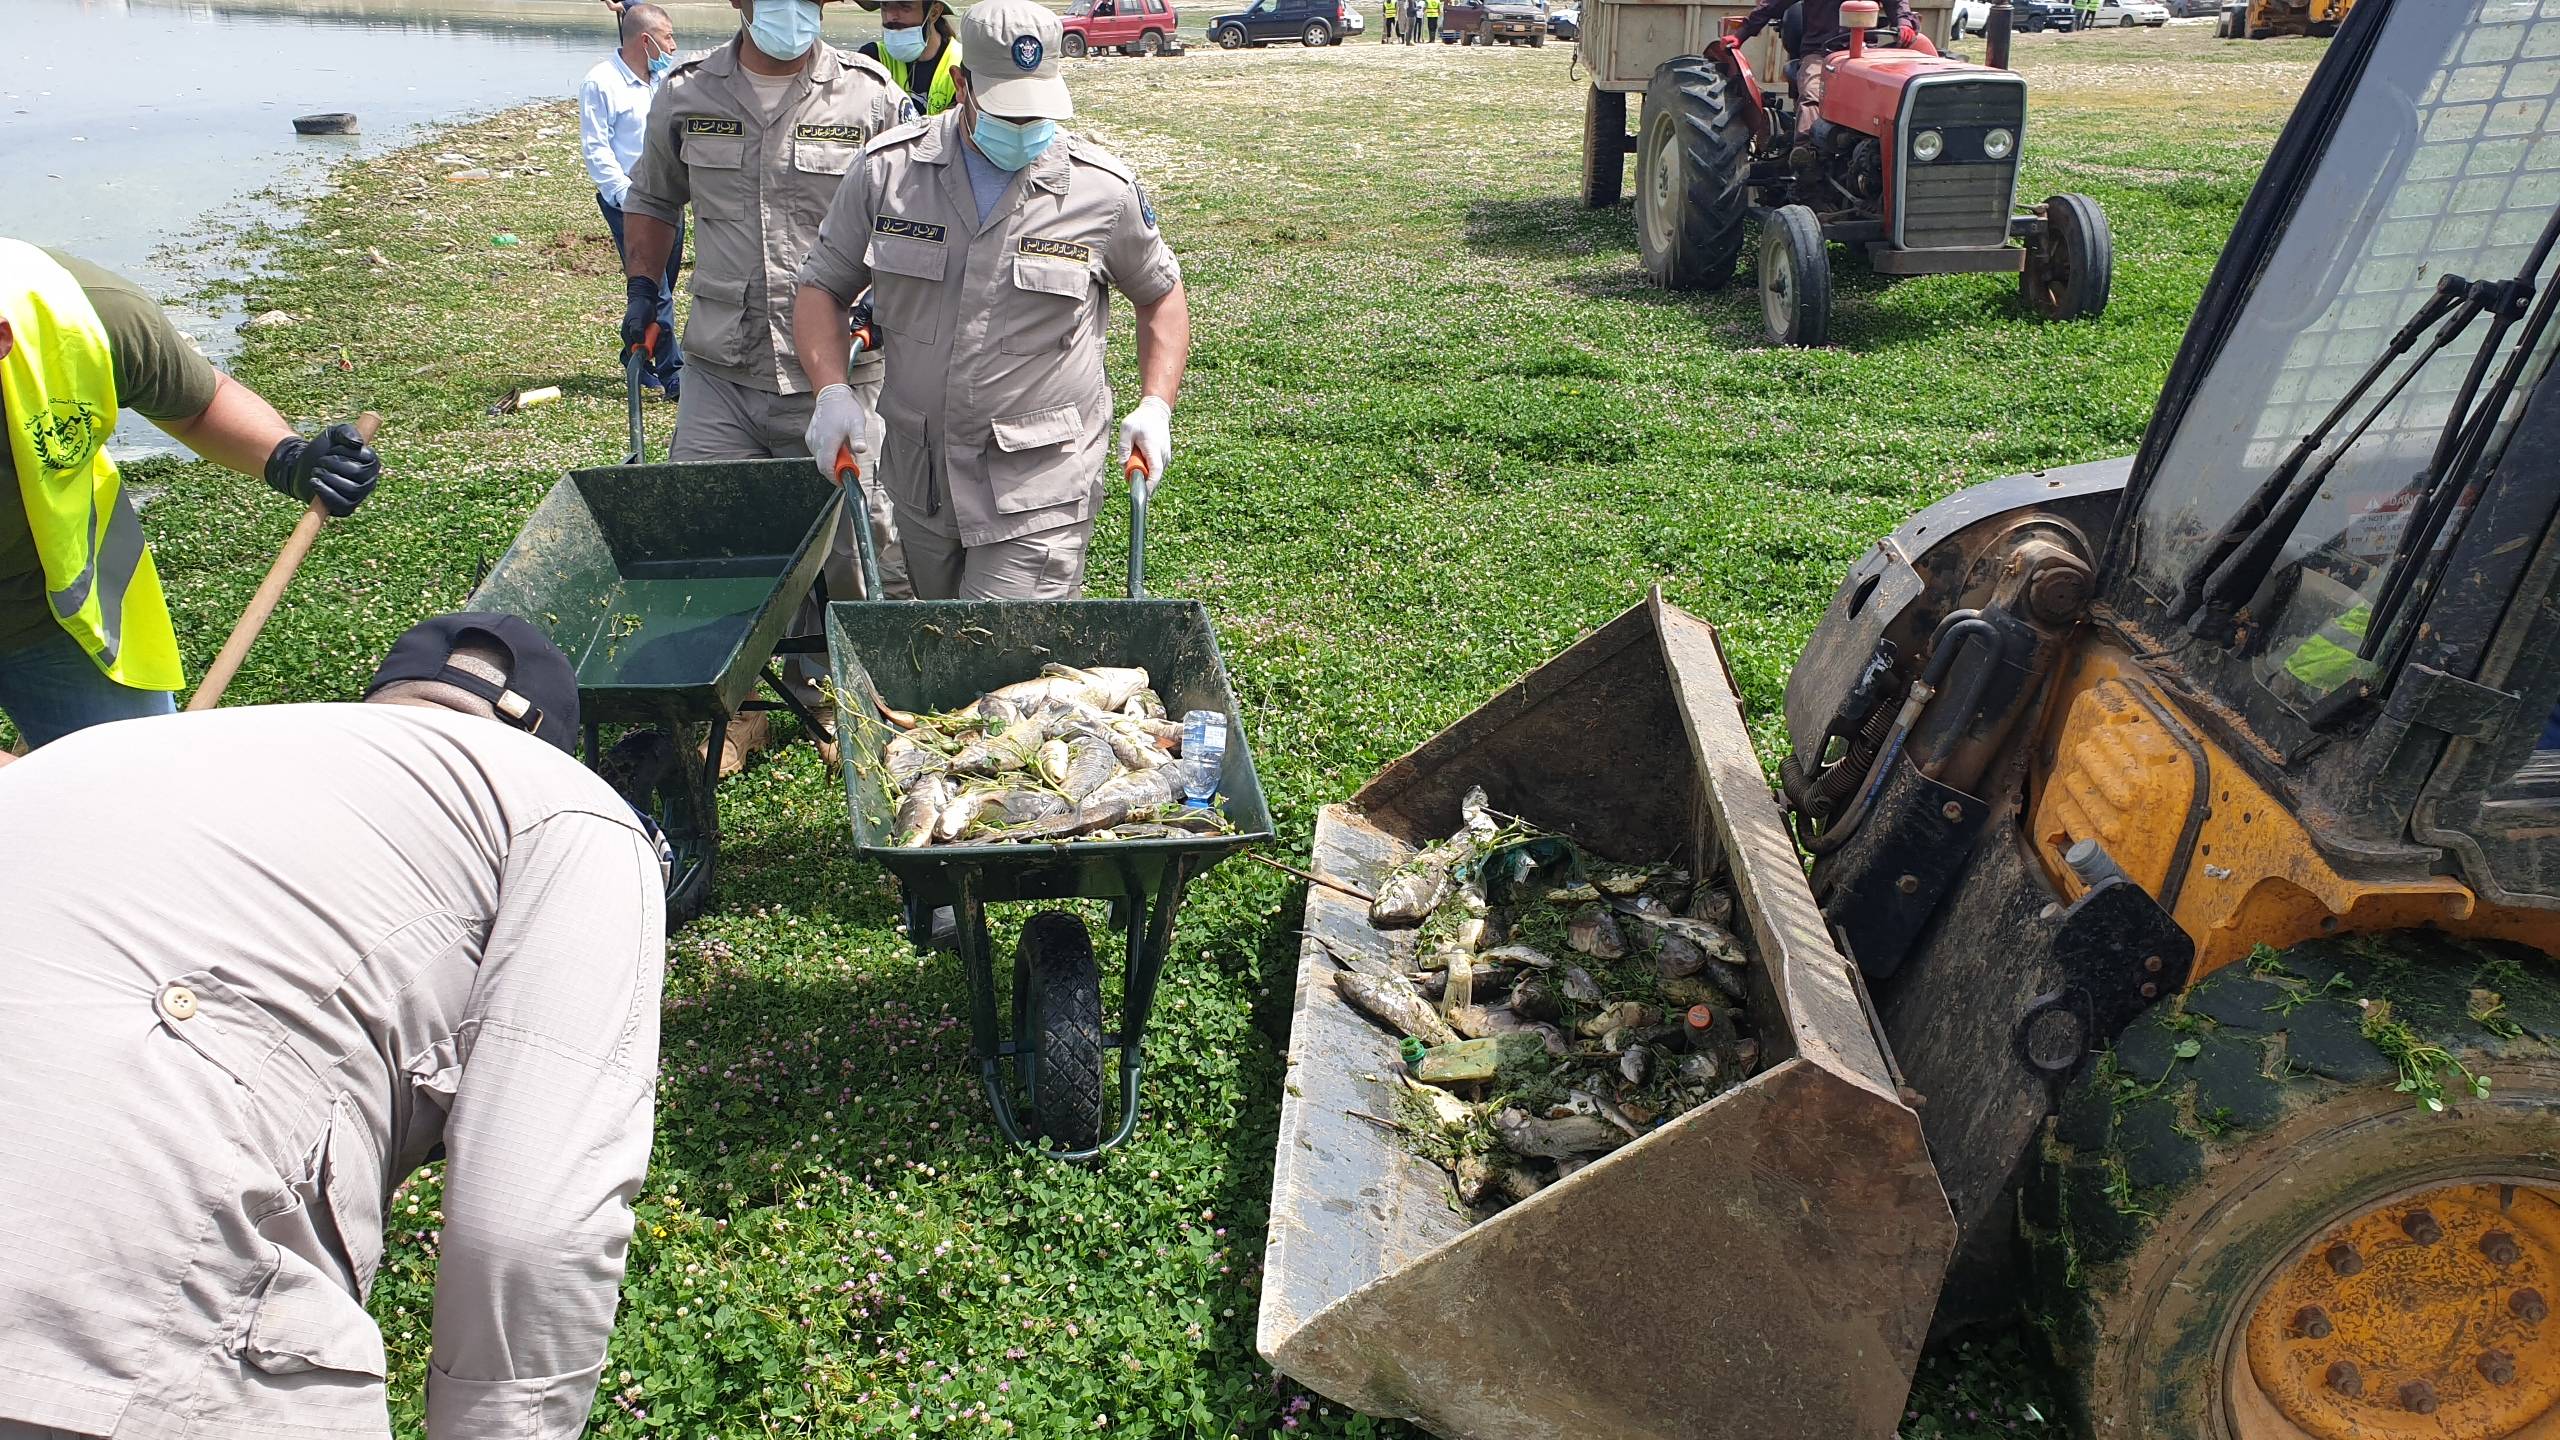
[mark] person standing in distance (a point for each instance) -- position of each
(916, 48)
(85, 636)
(990, 243)
(756, 136)
(613, 114)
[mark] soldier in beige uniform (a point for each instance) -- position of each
(990, 243)
(261, 964)
(757, 140)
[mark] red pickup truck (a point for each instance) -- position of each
(1133, 27)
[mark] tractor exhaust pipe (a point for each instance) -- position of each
(1995, 36)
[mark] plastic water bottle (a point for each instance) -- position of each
(1204, 754)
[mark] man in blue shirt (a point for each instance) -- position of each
(613, 115)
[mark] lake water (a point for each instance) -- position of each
(145, 134)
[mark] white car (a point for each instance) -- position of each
(1353, 22)
(1968, 17)
(2132, 12)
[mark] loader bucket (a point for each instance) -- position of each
(1764, 1265)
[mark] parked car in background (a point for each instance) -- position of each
(1485, 22)
(1309, 22)
(2044, 15)
(1565, 24)
(2132, 12)
(1132, 27)
(1968, 17)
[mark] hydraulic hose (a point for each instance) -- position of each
(1944, 646)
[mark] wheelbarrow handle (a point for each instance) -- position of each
(849, 476)
(1135, 471)
(634, 357)
(262, 605)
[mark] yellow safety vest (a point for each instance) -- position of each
(58, 386)
(2326, 658)
(941, 96)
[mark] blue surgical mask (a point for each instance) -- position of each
(903, 44)
(659, 65)
(1012, 144)
(784, 29)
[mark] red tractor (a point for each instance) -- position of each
(1905, 156)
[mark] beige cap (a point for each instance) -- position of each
(1011, 48)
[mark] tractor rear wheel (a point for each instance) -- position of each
(2243, 1231)
(1795, 277)
(2071, 262)
(1604, 147)
(1691, 162)
(1066, 1028)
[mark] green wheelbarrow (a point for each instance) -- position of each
(931, 655)
(670, 588)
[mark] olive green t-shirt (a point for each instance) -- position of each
(159, 374)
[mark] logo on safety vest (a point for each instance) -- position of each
(66, 436)
(1027, 53)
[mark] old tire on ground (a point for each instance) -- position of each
(1795, 278)
(1151, 43)
(2241, 1230)
(1073, 44)
(2071, 264)
(662, 779)
(1604, 147)
(1066, 1029)
(1316, 35)
(1230, 37)
(1691, 160)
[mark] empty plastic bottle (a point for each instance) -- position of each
(1204, 755)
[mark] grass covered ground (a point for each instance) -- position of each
(1436, 427)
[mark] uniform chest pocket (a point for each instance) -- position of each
(906, 286)
(284, 1106)
(1048, 304)
(715, 152)
(819, 157)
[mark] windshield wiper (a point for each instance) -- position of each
(2444, 491)
(2244, 552)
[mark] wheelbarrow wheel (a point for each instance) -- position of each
(654, 773)
(1066, 1028)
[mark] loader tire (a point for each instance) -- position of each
(1691, 163)
(1066, 1029)
(2247, 1223)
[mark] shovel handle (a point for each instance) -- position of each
(235, 650)
(1135, 472)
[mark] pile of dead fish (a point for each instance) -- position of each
(1559, 1006)
(1070, 754)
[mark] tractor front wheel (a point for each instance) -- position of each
(1066, 1028)
(2071, 262)
(1795, 278)
(2320, 1201)
(1691, 163)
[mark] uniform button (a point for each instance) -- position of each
(178, 1003)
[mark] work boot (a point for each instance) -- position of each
(828, 748)
(746, 735)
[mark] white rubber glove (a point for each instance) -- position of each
(1149, 431)
(836, 425)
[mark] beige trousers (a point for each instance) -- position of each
(1046, 566)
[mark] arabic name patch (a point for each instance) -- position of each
(906, 229)
(1063, 249)
(707, 125)
(845, 134)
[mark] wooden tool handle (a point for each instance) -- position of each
(235, 650)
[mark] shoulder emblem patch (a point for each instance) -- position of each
(1063, 249)
(841, 134)
(906, 229)
(712, 125)
(1146, 207)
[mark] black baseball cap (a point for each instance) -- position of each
(541, 693)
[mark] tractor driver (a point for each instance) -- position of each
(1812, 27)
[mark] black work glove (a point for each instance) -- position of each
(639, 312)
(338, 469)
